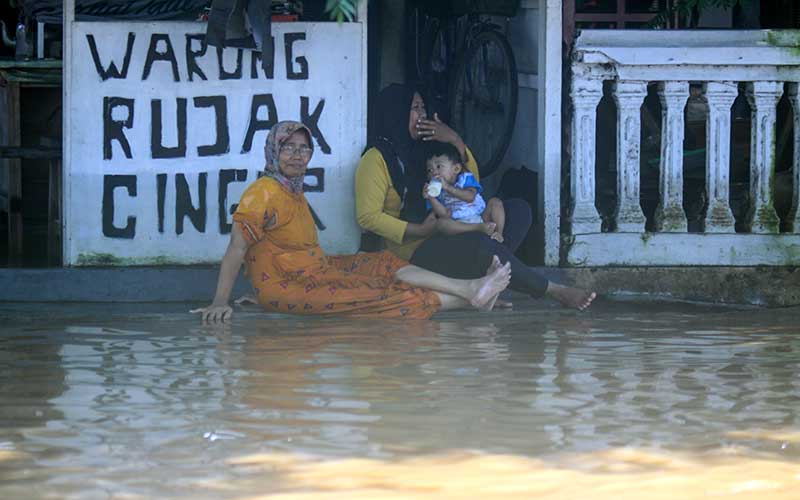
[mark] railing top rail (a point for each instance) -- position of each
(688, 38)
(689, 47)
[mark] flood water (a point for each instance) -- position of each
(626, 401)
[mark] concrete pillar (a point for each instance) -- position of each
(720, 97)
(586, 94)
(629, 95)
(793, 219)
(548, 125)
(669, 215)
(763, 98)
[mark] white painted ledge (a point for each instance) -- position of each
(704, 55)
(675, 249)
(729, 47)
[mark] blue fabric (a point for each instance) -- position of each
(461, 210)
(467, 180)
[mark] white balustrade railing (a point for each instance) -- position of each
(767, 62)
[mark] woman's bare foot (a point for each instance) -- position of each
(577, 298)
(494, 302)
(495, 265)
(488, 227)
(486, 289)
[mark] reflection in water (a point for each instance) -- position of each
(30, 376)
(679, 403)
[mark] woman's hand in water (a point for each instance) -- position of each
(215, 313)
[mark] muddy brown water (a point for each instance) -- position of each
(628, 401)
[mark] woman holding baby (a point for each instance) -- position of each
(393, 201)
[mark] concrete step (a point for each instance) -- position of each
(760, 286)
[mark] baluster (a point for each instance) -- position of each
(763, 98)
(669, 216)
(793, 219)
(629, 96)
(720, 97)
(586, 94)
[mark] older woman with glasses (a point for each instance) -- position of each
(274, 235)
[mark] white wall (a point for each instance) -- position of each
(145, 226)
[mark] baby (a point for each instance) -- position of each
(454, 195)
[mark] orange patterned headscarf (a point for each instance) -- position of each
(278, 134)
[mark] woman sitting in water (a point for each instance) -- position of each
(274, 235)
(389, 184)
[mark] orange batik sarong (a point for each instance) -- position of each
(291, 274)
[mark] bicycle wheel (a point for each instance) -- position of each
(483, 98)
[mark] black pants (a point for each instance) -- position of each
(468, 255)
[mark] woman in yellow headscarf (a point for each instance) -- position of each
(274, 235)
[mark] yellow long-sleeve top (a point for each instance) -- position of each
(378, 204)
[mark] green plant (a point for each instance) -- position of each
(342, 10)
(687, 12)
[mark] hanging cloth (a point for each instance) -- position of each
(244, 24)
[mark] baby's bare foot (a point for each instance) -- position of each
(487, 288)
(497, 236)
(571, 297)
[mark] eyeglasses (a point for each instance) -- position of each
(291, 149)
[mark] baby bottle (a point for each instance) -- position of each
(434, 188)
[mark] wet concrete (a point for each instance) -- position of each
(769, 286)
(523, 307)
(763, 286)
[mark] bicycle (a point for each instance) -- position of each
(467, 62)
